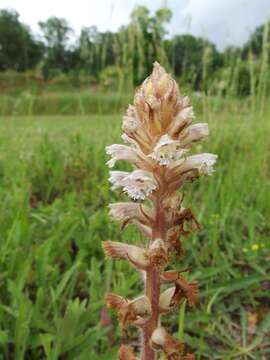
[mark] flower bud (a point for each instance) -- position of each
(161, 340)
(169, 299)
(181, 121)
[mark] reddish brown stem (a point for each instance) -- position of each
(152, 289)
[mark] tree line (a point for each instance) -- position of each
(130, 51)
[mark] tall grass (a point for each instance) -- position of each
(53, 218)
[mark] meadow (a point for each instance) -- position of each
(54, 195)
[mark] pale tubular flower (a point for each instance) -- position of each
(116, 178)
(139, 184)
(132, 213)
(167, 151)
(161, 340)
(131, 154)
(202, 163)
(121, 152)
(131, 312)
(121, 251)
(194, 133)
(129, 210)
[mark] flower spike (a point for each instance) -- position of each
(159, 134)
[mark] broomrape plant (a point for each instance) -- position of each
(159, 135)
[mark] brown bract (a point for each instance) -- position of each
(183, 289)
(131, 312)
(126, 353)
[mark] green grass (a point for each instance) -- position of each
(54, 196)
(76, 102)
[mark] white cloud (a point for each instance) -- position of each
(222, 21)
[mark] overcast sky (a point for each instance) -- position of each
(222, 21)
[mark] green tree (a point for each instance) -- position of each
(191, 57)
(96, 50)
(18, 48)
(255, 42)
(56, 34)
(141, 42)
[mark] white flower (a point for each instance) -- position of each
(138, 185)
(167, 151)
(194, 133)
(116, 178)
(203, 162)
(133, 213)
(129, 210)
(121, 152)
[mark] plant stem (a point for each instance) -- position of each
(152, 289)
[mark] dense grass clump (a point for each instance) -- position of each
(54, 192)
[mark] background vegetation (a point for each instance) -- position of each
(54, 189)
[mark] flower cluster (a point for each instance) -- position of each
(159, 135)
